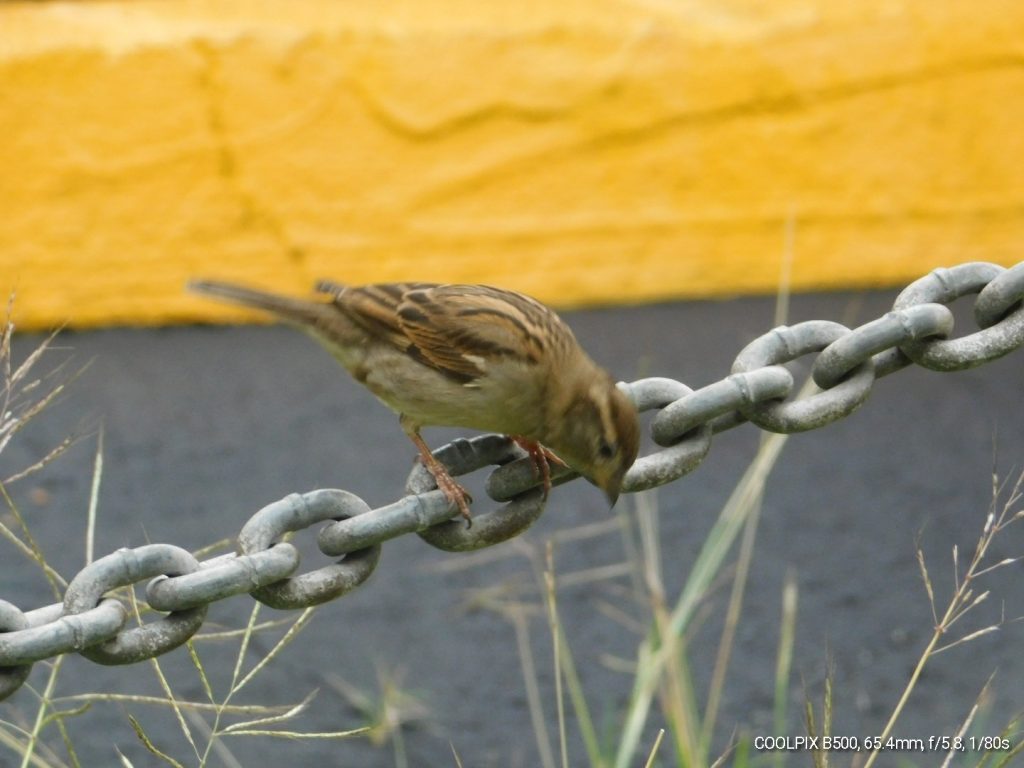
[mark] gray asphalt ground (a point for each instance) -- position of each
(205, 425)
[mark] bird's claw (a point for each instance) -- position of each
(452, 491)
(445, 482)
(542, 459)
(457, 494)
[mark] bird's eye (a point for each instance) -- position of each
(605, 449)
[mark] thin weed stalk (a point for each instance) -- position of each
(653, 655)
(963, 600)
(565, 670)
(676, 690)
(517, 615)
(784, 658)
(553, 623)
(728, 637)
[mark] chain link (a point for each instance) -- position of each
(1002, 327)
(297, 513)
(123, 568)
(846, 365)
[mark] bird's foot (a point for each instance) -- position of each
(452, 491)
(542, 459)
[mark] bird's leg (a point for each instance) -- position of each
(445, 482)
(542, 459)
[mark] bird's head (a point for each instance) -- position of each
(599, 434)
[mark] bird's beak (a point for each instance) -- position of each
(611, 489)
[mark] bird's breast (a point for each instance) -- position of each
(505, 398)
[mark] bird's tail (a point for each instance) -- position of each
(299, 311)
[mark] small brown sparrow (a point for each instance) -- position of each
(470, 356)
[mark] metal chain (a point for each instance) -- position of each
(847, 364)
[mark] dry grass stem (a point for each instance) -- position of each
(149, 745)
(963, 600)
(540, 729)
(654, 748)
(549, 582)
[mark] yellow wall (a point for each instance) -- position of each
(584, 151)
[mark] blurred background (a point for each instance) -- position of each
(583, 152)
(655, 169)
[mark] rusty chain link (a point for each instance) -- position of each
(845, 368)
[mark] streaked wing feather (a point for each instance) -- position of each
(374, 308)
(458, 328)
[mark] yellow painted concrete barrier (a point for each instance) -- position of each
(584, 151)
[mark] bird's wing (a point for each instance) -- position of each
(374, 308)
(460, 329)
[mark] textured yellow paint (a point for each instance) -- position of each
(584, 152)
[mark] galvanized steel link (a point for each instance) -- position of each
(13, 675)
(427, 508)
(491, 527)
(784, 344)
(678, 458)
(720, 404)
(62, 634)
(520, 475)
(1004, 292)
(1001, 332)
(846, 366)
(297, 512)
(127, 567)
(838, 359)
(223, 577)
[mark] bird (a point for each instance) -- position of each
(468, 356)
